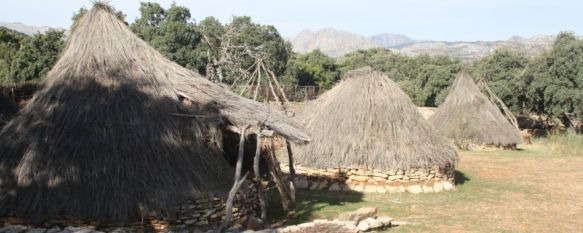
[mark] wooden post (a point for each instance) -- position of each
(277, 175)
(292, 174)
(258, 178)
(236, 184)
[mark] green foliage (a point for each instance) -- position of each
(313, 69)
(261, 39)
(211, 31)
(555, 79)
(10, 43)
(503, 71)
(170, 31)
(425, 79)
(36, 56)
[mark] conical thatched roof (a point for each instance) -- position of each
(467, 114)
(102, 139)
(366, 121)
(7, 109)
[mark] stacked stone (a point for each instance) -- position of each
(208, 212)
(434, 179)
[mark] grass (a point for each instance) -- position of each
(530, 190)
(563, 144)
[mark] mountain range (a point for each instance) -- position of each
(26, 29)
(336, 43)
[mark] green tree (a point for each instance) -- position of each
(556, 78)
(171, 32)
(37, 56)
(314, 68)
(424, 78)
(503, 70)
(10, 43)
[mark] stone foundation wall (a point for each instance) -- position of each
(207, 212)
(433, 179)
(200, 213)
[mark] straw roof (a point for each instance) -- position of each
(467, 114)
(102, 139)
(7, 109)
(367, 121)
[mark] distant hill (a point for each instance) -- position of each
(390, 40)
(23, 28)
(331, 41)
(337, 43)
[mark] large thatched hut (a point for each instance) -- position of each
(368, 136)
(472, 120)
(7, 109)
(118, 134)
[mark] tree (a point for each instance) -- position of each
(313, 69)
(10, 43)
(503, 72)
(37, 56)
(556, 78)
(424, 78)
(171, 32)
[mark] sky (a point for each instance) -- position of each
(443, 20)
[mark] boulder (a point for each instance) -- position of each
(447, 185)
(335, 187)
(415, 189)
(358, 215)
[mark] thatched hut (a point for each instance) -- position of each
(118, 133)
(472, 120)
(7, 109)
(368, 136)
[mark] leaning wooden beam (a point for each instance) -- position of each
(258, 178)
(292, 174)
(277, 176)
(236, 184)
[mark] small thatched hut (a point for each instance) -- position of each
(368, 136)
(7, 109)
(118, 133)
(469, 118)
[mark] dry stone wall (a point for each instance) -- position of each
(421, 180)
(200, 213)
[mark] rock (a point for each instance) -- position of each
(314, 185)
(189, 222)
(357, 215)
(395, 189)
(447, 185)
(335, 187)
(370, 188)
(323, 185)
(381, 189)
(363, 226)
(415, 189)
(53, 230)
(373, 223)
(437, 187)
(37, 230)
(255, 224)
(359, 178)
(385, 220)
(427, 189)
(14, 229)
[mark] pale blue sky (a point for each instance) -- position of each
(450, 20)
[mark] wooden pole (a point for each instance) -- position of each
(258, 178)
(236, 184)
(292, 174)
(277, 176)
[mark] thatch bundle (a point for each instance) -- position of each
(366, 121)
(468, 115)
(106, 137)
(7, 109)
